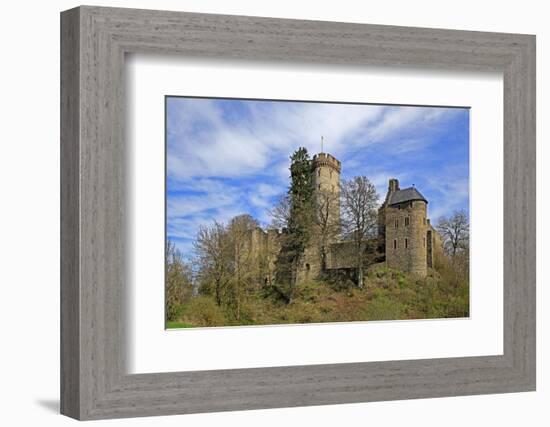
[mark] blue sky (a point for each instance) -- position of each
(229, 157)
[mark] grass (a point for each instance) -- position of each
(387, 295)
(178, 325)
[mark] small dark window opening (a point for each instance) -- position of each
(307, 267)
(407, 222)
(396, 223)
(406, 243)
(395, 243)
(424, 241)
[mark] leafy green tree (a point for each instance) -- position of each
(300, 220)
(301, 199)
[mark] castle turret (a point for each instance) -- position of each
(325, 178)
(326, 181)
(405, 229)
(393, 186)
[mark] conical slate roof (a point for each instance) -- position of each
(406, 195)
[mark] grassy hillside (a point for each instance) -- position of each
(387, 295)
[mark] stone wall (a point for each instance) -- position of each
(405, 235)
(341, 255)
(310, 267)
(435, 246)
(264, 248)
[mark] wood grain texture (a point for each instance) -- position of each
(94, 382)
(70, 220)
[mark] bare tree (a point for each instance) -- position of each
(359, 215)
(455, 232)
(239, 234)
(328, 224)
(179, 285)
(280, 213)
(213, 250)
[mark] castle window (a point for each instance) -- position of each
(319, 186)
(406, 243)
(424, 241)
(395, 243)
(396, 223)
(330, 174)
(318, 172)
(407, 221)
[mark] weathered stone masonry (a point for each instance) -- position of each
(405, 229)
(409, 241)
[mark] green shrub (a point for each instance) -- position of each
(387, 295)
(203, 311)
(174, 311)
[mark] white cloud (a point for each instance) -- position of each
(178, 206)
(202, 143)
(262, 195)
(451, 192)
(394, 119)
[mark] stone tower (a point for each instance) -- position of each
(325, 178)
(326, 181)
(403, 217)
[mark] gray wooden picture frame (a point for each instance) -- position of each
(94, 41)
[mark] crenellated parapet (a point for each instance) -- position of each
(328, 160)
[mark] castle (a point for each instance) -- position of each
(405, 241)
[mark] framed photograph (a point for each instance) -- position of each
(261, 213)
(260, 232)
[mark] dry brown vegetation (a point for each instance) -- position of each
(387, 295)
